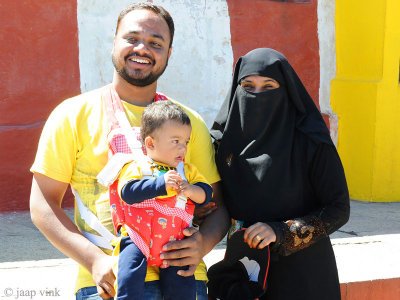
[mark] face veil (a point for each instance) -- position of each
(259, 137)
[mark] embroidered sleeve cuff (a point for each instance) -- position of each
(294, 235)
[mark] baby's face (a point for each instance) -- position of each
(169, 143)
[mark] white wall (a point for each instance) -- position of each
(327, 54)
(200, 66)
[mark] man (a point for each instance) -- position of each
(73, 150)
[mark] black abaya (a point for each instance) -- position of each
(279, 166)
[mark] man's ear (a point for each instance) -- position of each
(149, 142)
(169, 52)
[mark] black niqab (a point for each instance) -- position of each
(260, 141)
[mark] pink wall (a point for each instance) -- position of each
(290, 28)
(39, 66)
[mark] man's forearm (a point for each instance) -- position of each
(52, 221)
(215, 226)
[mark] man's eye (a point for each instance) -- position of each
(131, 40)
(175, 141)
(156, 45)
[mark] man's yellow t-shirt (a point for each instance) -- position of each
(73, 149)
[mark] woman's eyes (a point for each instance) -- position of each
(248, 87)
(268, 87)
(252, 88)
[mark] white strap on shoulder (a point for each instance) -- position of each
(135, 145)
(111, 171)
(97, 240)
(115, 163)
(180, 168)
(126, 127)
(181, 199)
(105, 236)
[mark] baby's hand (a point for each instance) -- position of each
(193, 192)
(185, 188)
(172, 180)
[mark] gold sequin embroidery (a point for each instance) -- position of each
(229, 160)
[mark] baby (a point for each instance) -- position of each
(160, 202)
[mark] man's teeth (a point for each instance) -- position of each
(142, 61)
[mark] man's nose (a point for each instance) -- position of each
(141, 47)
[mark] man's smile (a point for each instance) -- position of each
(141, 60)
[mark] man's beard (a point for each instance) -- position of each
(144, 81)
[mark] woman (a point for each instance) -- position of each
(282, 176)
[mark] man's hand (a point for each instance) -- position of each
(200, 213)
(103, 276)
(186, 252)
(191, 250)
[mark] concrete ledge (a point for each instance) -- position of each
(369, 266)
(367, 252)
(367, 258)
(56, 275)
(41, 279)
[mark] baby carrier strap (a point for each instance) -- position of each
(104, 237)
(124, 146)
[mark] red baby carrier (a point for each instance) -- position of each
(154, 222)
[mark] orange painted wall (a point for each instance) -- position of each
(290, 28)
(39, 67)
(382, 289)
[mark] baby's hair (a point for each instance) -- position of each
(157, 113)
